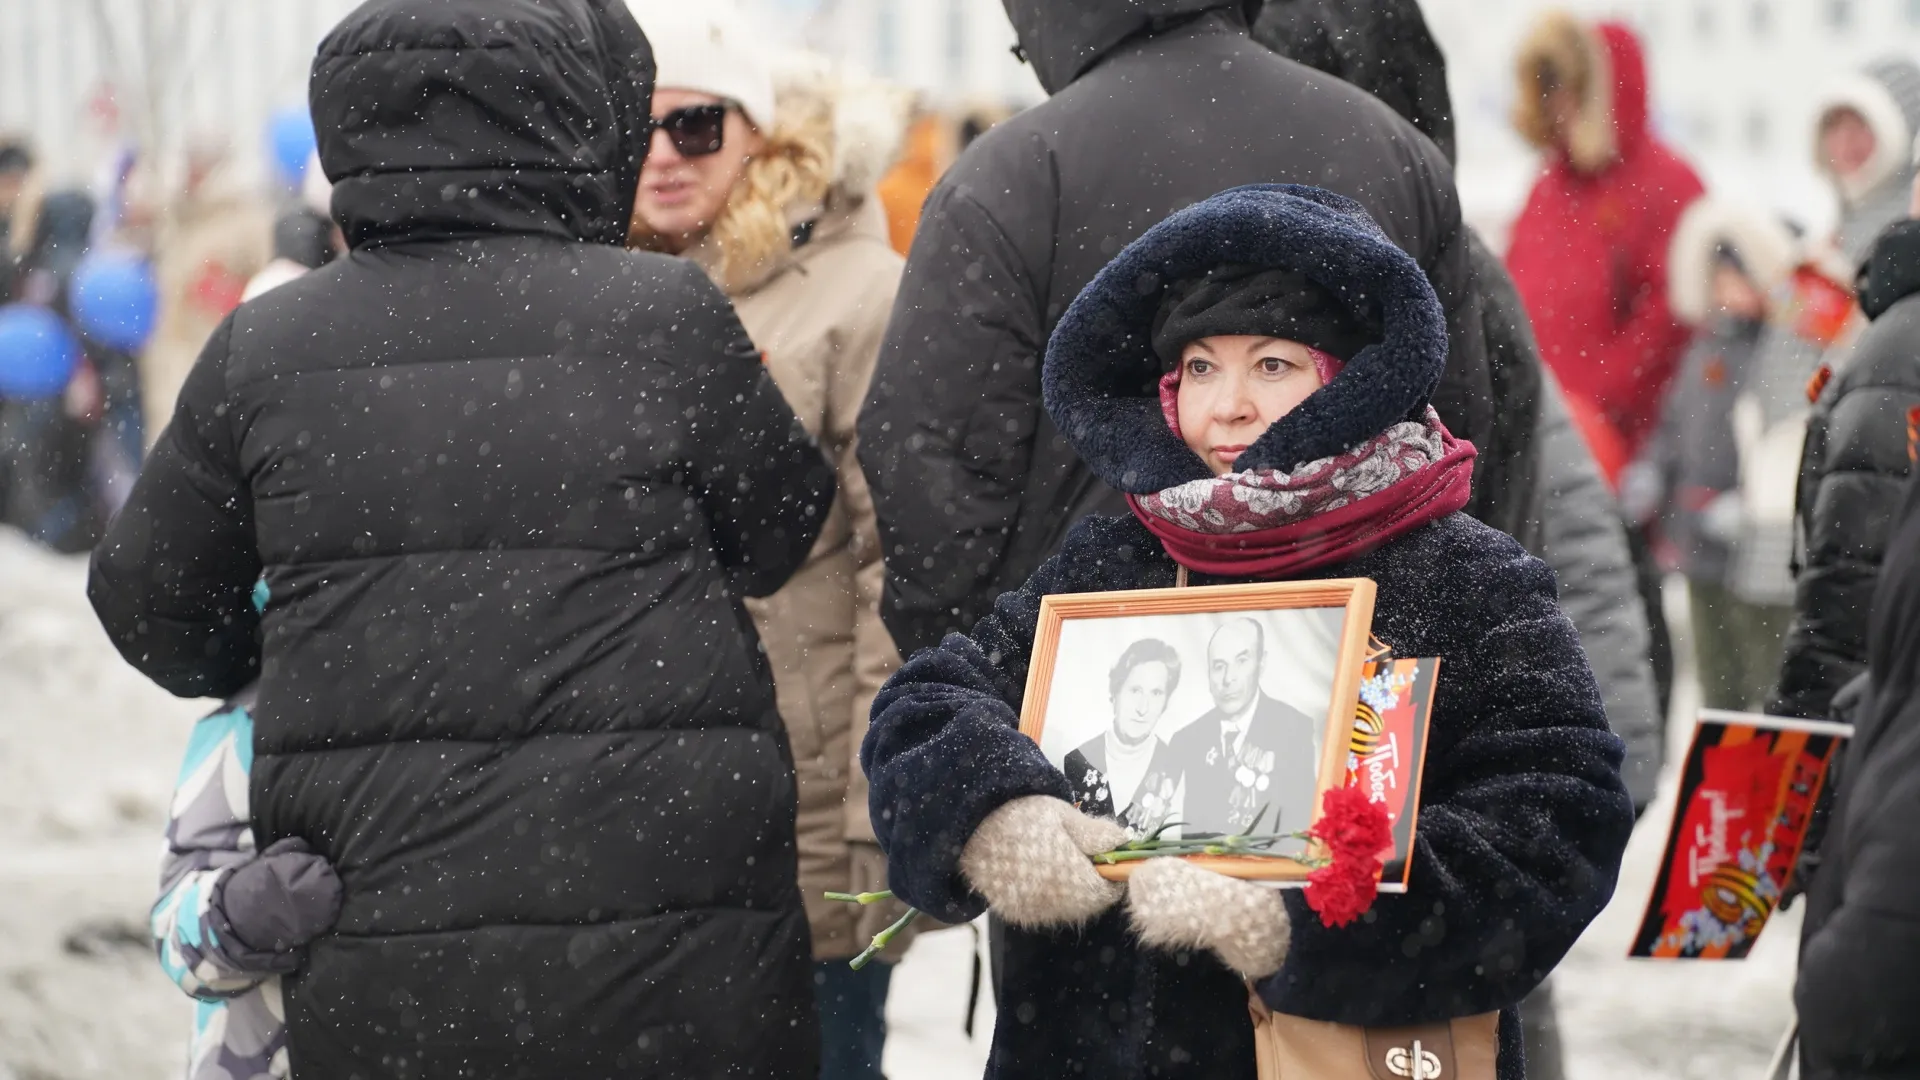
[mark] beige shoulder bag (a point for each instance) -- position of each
(1289, 1048)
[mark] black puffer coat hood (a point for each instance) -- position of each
(1383, 47)
(1063, 38)
(547, 134)
(1101, 376)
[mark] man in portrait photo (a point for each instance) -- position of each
(1123, 772)
(1249, 752)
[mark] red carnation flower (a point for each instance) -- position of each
(1353, 825)
(1356, 831)
(1342, 890)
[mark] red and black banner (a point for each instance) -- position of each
(1746, 791)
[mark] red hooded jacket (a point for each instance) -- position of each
(1589, 255)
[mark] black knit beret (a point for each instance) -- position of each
(1264, 301)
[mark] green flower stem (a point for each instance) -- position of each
(884, 938)
(1240, 845)
(862, 898)
(1108, 858)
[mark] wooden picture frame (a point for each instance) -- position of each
(1342, 652)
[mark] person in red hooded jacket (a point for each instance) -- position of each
(1589, 250)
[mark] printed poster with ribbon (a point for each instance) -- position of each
(1747, 790)
(1388, 746)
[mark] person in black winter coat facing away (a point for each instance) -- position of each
(508, 484)
(1861, 439)
(1858, 988)
(1267, 354)
(1155, 105)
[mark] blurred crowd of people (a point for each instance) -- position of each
(1751, 389)
(1696, 336)
(108, 292)
(1655, 380)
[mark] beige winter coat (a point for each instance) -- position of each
(219, 241)
(818, 313)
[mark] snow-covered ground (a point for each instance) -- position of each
(87, 755)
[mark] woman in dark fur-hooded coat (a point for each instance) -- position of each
(1523, 814)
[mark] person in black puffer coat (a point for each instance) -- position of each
(973, 485)
(1861, 438)
(508, 484)
(1858, 988)
(1523, 815)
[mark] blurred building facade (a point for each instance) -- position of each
(81, 78)
(957, 53)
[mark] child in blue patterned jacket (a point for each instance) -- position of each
(231, 920)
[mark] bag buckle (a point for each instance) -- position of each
(1420, 1052)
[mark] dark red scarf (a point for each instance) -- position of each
(1272, 525)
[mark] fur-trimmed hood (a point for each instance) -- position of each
(1101, 373)
(1886, 94)
(1605, 65)
(1765, 244)
(868, 117)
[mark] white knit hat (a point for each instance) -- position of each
(704, 46)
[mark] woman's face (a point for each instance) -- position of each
(1563, 113)
(1141, 700)
(680, 196)
(1846, 141)
(1232, 388)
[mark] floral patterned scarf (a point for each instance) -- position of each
(1270, 524)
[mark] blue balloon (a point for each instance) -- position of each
(37, 352)
(114, 299)
(290, 136)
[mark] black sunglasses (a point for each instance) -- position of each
(696, 130)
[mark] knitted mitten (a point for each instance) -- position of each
(1179, 907)
(1029, 859)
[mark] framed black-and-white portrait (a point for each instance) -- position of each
(1215, 710)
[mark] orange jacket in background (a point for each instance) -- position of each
(905, 187)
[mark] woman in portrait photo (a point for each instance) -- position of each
(1124, 772)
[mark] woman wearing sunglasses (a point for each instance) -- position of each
(771, 191)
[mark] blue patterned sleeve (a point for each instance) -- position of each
(209, 835)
